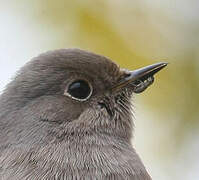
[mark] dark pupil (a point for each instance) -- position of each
(79, 89)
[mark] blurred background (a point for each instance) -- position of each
(133, 33)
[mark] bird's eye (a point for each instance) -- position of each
(80, 90)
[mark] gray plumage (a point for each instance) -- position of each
(47, 135)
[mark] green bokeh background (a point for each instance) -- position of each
(133, 34)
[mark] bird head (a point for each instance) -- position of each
(71, 93)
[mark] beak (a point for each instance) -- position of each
(139, 75)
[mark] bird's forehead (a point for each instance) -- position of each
(82, 62)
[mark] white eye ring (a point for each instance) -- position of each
(80, 90)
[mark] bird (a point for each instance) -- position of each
(67, 115)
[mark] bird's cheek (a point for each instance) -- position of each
(103, 111)
(105, 108)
